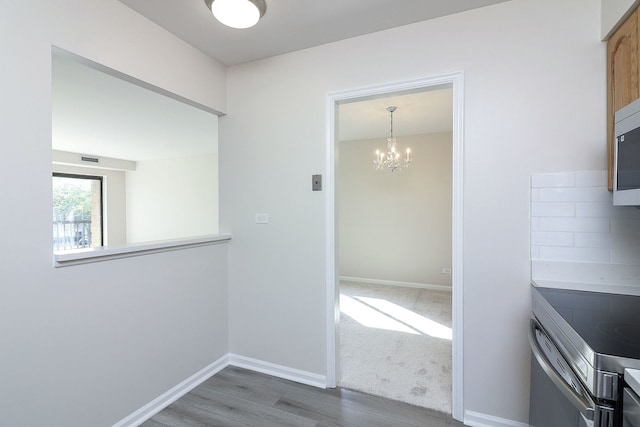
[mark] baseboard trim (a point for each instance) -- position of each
(167, 398)
(395, 283)
(279, 371)
(476, 419)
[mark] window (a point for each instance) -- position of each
(77, 211)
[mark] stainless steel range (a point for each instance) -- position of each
(582, 343)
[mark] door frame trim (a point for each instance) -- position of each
(456, 81)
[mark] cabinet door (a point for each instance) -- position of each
(622, 76)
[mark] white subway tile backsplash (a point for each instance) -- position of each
(592, 240)
(542, 270)
(594, 209)
(604, 274)
(623, 256)
(584, 225)
(625, 212)
(535, 195)
(625, 225)
(577, 235)
(553, 209)
(591, 179)
(535, 252)
(562, 179)
(545, 238)
(625, 248)
(535, 224)
(574, 194)
(574, 254)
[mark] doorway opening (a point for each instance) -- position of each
(394, 246)
(334, 101)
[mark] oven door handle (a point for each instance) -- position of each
(583, 403)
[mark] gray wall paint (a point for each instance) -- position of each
(93, 343)
(172, 198)
(527, 63)
(396, 226)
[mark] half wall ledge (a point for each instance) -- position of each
(104, 253)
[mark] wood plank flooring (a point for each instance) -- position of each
(238, 397)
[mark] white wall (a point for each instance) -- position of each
(92, 343)
(614, 12)
(396, 226)
(172, 198)
(534, 101)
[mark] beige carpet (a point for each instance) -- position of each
(395, 342)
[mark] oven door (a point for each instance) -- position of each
(631, 409)
(558, 398)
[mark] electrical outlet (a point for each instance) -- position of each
(446, 271)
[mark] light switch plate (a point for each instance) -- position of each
(316, 182)
(262, 218)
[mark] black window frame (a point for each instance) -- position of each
(94, 177)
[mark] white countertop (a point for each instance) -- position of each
(592, 287)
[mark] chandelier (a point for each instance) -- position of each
(391, 161)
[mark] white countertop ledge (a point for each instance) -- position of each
(591, 287)
(103, 253)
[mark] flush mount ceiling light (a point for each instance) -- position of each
(391, 161)
(237, 13)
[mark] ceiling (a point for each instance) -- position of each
(100, 114)
(422, 112)
(290, 25)
(96, 113)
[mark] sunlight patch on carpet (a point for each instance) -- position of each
(371, 318)
(382, 314)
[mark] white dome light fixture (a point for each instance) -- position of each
(237, 13)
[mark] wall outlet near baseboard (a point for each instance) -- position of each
(446, 271)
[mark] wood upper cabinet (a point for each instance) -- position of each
(622, 76)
